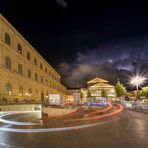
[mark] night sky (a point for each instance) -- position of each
(83, 39)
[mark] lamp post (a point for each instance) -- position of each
(137, 81)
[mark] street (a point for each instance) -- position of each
(127, 129)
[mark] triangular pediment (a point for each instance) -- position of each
(97, 80)
(101, 85)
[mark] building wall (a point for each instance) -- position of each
(51, 79)
(97, 91)
(73, 95)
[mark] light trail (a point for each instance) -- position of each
(98, 117)
(54, 129)
(15, 122)
(101, 111)
(71, 114)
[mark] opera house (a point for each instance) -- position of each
(96, 86)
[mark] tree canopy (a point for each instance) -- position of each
(144, 93)
(119, 89)
(88, 93)
(103, 93)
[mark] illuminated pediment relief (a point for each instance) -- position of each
(97, 80)
(101, 85)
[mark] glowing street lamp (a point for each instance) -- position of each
(137, 81)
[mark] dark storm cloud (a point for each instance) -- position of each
(107, 61)
(88, 39)
(63, 3)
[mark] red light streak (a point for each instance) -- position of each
(120, 109)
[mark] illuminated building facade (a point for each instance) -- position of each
(24, 73)
(95, 88)
(73, 95)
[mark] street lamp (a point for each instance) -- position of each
(137, 81)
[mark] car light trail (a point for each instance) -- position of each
(54, 129)
(98, 117)
(72, 113)
(15, 122)
(101, 111)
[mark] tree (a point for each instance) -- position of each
(88, 93)
(81, 95)
(144, 93)
(119, 89)
(103, 93)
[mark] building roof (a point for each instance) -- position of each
(97, 80)
(101, 85)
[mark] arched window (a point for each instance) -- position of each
(20, 91)
(8, 63)
(29, 73)
(7, 39)
(8, 88)
(28, 56)
(30, 92)
(19, 49)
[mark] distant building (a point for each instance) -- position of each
(132, 94)
(96, 86)
(24, 73)
(73, 95)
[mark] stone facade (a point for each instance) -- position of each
(24, 73)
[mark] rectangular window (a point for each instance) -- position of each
(9, 89)
(35, 61)
(20, 91)
(36, 77)
(46, 70)
(41, 79)
(41, 66)
(8, 63)
(28, 56)
(29, 73)
(20, 69)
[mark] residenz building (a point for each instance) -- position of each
(24, 73)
